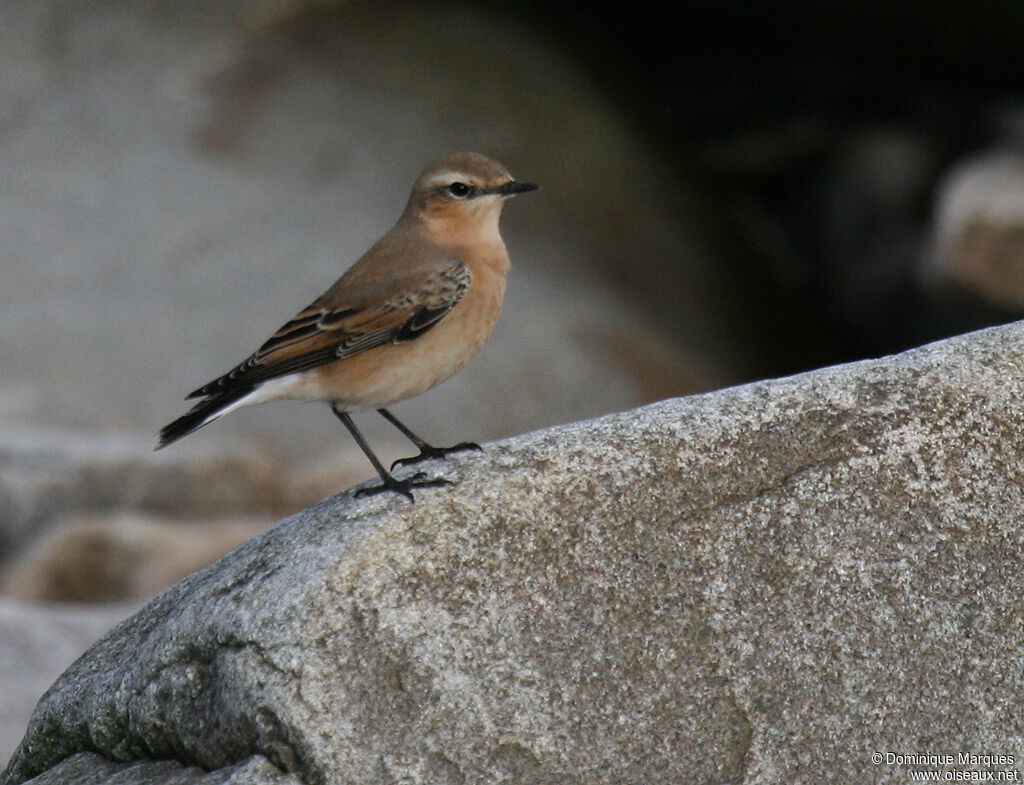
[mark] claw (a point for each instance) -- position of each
(429, 453)
(403, 487)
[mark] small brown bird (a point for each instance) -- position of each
(404, 318)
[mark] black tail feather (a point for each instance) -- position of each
(198, 415)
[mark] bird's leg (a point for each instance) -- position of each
(388, 482)
(427, 451)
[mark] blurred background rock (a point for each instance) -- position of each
(730, 191)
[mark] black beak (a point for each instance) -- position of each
(513, 187)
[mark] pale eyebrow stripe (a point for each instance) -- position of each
(448, 176)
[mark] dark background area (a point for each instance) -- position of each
(773, 111)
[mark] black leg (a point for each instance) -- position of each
(426, 451)
(388, 482)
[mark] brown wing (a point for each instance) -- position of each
(319, 334)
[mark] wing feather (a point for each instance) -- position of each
(319, 335)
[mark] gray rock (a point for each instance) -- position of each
(88, 768)
(764, 584)
(37, 642)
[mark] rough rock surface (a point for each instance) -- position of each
(765, 584)
(88, 768)
(37, 642)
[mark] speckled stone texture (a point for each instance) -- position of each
(88, 768)
(37, 642)
(765, 584)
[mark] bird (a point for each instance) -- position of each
(408, 315)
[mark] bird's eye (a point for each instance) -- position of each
(460, 190)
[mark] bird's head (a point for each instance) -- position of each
(460, 196)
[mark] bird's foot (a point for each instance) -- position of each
(403, 487)
(429, 453)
